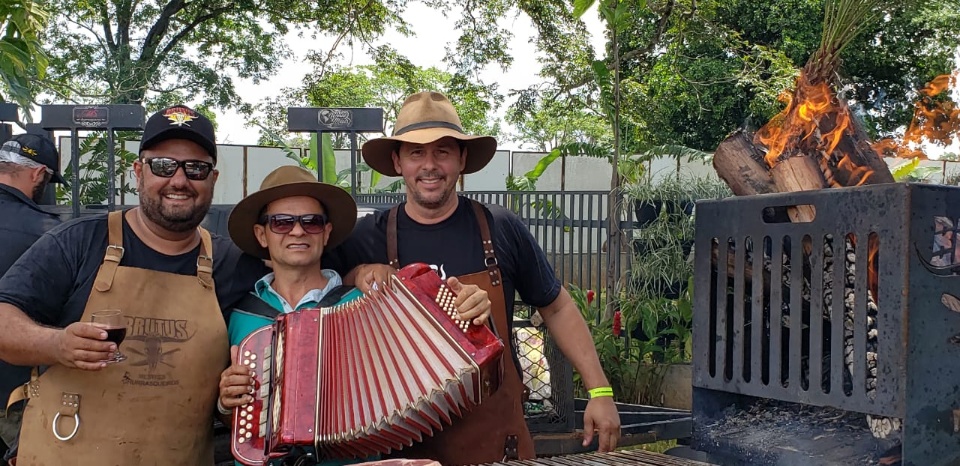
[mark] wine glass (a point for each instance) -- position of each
(113, 322)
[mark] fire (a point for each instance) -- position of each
(935, 120)
(814, 123)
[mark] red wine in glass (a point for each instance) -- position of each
(115, 324)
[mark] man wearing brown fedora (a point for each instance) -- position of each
(485, 245)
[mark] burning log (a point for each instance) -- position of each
(798, 173)
(740, 164)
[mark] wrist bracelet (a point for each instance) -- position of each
(600, 391)
(222, 410)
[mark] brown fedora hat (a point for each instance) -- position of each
(424, 118)
(289, 181)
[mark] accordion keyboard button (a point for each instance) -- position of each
(246, 354)
(241, 440)
(253, 356)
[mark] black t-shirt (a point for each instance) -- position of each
(51, 282)
(454, 248)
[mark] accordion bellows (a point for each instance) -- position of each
(369, 376)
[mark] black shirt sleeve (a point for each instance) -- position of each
(46, 274)
(234, 272)
(524, 259)
(365, 245)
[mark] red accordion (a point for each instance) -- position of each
(364, 377)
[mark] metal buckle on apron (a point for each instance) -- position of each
(118, 248)
(205, 269)
(511, 448)
(69, 405)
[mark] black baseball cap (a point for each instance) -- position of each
(179, 122)
(37, 148)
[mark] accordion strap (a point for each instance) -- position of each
(254, 305)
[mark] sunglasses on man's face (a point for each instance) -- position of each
(282, 224)
(166, 167)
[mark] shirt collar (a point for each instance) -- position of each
(264, 290)
(22, 198)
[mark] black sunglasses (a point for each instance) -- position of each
(282, 224)
(166, 167)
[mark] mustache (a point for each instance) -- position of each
(186, 192)
(429, 174)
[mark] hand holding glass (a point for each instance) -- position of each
(113, 322)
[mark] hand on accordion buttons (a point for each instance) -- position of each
(472, 301)
(236, 383)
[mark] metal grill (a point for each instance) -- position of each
(843, 312)
(635, 457)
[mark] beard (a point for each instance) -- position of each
(175, 220)
(439, 201)
(38, 190)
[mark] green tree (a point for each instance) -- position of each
(123, 51)
(384, 84)
(693, 71)
(22, 60)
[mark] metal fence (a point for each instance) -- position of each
(570, 226)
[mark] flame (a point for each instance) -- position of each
(935, 121)
(814, 123)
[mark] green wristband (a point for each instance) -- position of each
(601, 391)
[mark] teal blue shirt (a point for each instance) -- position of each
(243, 323)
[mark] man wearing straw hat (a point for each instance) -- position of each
(485, 245)
(290, 221)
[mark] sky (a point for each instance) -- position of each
(433, 33)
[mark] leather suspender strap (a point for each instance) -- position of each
(205, 259)
(114, 253)
(392, 255)
(489, 253)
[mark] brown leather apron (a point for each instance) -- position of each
(496, 429)
(157, 406)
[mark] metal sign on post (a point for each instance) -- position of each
(76, 118)
(336, 120)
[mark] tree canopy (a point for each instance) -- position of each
(122, 51)
(22, 60)
(693, 71)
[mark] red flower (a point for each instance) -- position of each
(616, 323)
(590, 296)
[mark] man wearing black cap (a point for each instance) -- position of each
(172, 281)
(27, 163)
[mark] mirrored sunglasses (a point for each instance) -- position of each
(166, 167)
(282, 224)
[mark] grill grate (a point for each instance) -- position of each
(842, 312)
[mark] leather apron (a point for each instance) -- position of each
(496, 429)
(157, 406)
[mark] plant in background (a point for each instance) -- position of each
(93, 169)
(324, 146)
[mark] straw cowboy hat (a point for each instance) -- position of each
(289, 181)
(424, 118)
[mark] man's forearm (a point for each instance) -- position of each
(23, 342)
(573, 338)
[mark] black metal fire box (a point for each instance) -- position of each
(857, 311)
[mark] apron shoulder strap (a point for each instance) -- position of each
(489, 253)
(392, 255)
(114, 253)
(205, 259)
